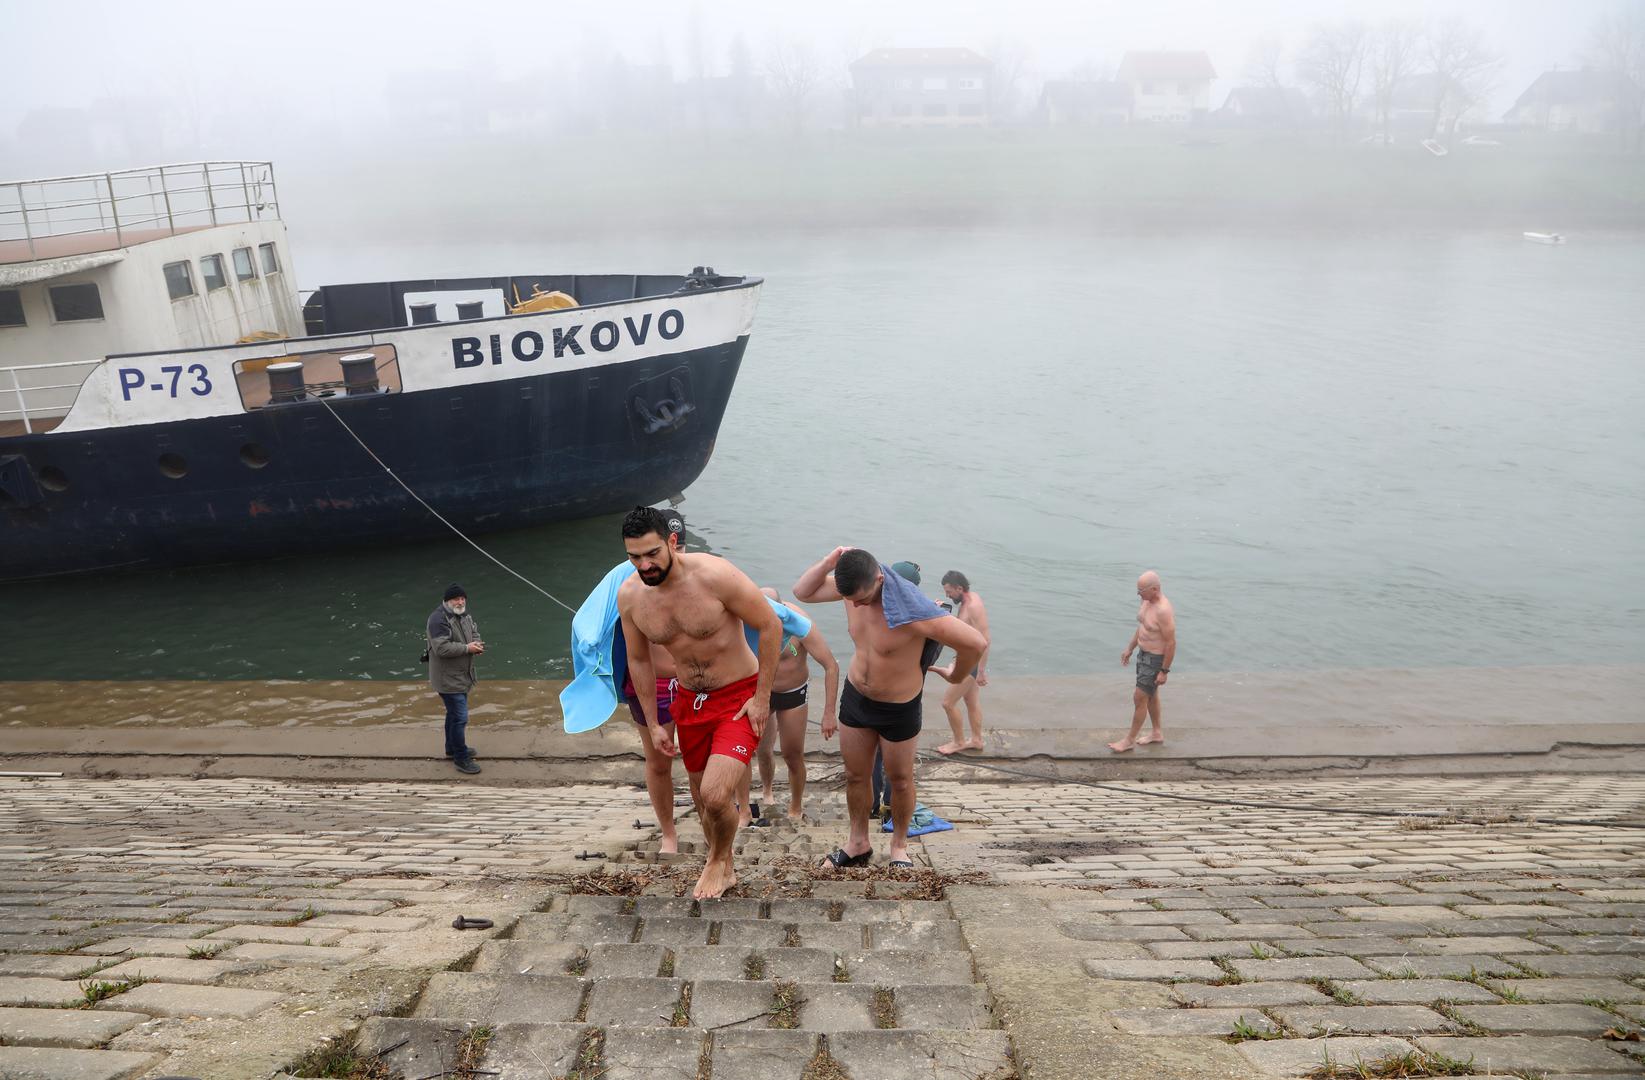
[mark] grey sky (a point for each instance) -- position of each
(306, 54)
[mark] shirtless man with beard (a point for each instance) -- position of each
(695, 606)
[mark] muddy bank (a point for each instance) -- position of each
(1467, 720)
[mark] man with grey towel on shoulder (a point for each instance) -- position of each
(453, 643)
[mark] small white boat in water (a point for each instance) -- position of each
(1544, 237)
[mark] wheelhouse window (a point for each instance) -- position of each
(11, 308)
(271, 258)
(75, 303)
(245, 267)
(179, 281)
(211, 272)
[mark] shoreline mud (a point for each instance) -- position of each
(1468, 721)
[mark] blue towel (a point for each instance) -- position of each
(795, 625)
(903, 601)
(923, 821)
(599, 655)
(599, 660)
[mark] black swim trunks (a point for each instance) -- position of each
(892, 721)
(1148, 669)
(783, 700)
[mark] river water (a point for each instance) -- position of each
(1349, 451)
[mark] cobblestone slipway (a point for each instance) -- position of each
(227, 929)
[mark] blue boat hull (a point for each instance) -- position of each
(290, 479)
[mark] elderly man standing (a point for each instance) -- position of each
(1155, 642)
(453, 643)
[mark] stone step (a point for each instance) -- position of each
(517, 1051)
(816, 1003)
(50, 1063)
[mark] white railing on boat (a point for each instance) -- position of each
(21, 391)
(136, 204)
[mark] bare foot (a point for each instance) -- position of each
(949, 748)
(796, 812)
(1122, 746)
(768, 798)
(971, 744)
(744, 820)
(670, 845)
(715, 880)
(1156, 737)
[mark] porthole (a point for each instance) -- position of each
(173, 465)
(53, 479)
(253, 456)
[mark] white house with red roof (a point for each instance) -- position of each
(921, 88)
(1167, 87)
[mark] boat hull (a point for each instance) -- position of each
(291, 479)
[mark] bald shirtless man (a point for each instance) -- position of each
(1156, 642)
(695, 606)
(880, 707)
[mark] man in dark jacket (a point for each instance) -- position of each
(453, 643)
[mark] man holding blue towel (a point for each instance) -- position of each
(890, 621)
(696, 606)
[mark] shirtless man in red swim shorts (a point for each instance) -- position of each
(695, 606)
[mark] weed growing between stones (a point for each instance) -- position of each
(823, 1067)
(588, 1058)
(1244, 1032)
(1448, 1010)
(1260, 953)
(340, 1059)
(309, 912)
(577, 965)
(785, 1005)
(754, 967)
(1230, 977)
(885, 1008)
(1413, 1063)
(96, 990)
(205, 952)
(1341, 994)
(682, 1009)
(469, 1052)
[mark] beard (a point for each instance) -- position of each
(657, 577)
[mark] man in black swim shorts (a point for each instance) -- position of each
(880, 706)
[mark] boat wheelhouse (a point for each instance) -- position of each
(167, 395)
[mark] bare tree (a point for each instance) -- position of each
(1010, 60)
(1332, 61)
(1392, 57)
(1464, 68)
(1264, 62)
(1616, 49)
(795, 78)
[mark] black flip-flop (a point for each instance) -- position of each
(839, 860)
(463, 922)
(900, 864)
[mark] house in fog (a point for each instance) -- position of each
(1084, 103)
(921, 88)
(1168, 87)
(1584, 101)
(1265, 107)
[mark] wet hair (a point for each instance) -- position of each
(645, 519)
(855, 571)
(954, 577)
